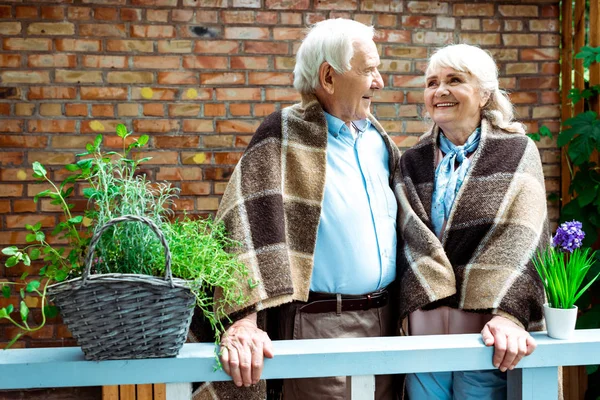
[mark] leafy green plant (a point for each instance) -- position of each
(114, 186)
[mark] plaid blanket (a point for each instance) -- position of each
(272, 205)
(499, 220)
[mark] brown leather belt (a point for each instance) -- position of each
(328, 302)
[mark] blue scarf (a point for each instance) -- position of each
(449, 180)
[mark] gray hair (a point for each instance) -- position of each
(330, 40)
(480, 64)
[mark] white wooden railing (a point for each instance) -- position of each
(536, 377)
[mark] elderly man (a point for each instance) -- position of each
(312, 203)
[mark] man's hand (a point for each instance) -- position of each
(511, 342)
(243, 348)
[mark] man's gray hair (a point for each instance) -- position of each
(480, 64)
(332, 41)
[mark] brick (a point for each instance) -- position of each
(224, 94)
(130, 77)
(15, 174)
(52, 60)
(523, 97)
(104, 61)
(204, 62)
(127, 110)
(11, 158)
(26, 12)
(286, 63)
(287, 4)
(418, 21)
(267, 17)
(481, 39)
(24, 109)
(51, 28)
(217, 174)
(432, 37)
(76, 110)
(105, 14)
(218, 141)
(207, 203)
(550, 11)
(539, 54)
(5, 12)
(414, 97)
(30, 77)
(246, 3)
(161, 157)
(393, 36)
(289, 33)
(154, 110)
(427, 7)
(156, 94)
(103, 93)
(11, 125)
(504, 54)
(179, 174)
(518, 11)
(230, 158)
(27, 44)
(551, 68)
(395, 66)
(79, 13)
(102, 30)
(470, 24)
(546, 112)
(10, 61)
(66, 76)
(473, 10)
(223, 78)
(206, 17)
(270, 78)
(237, 126)
(442, 22)
(246, 33)
(157, 15)
(4, 206)
(103, 110)
(140, 46)
(50, 109)
(50, 157)
(175, 46)
(313, 18)
(197, 125)
(266, 48)
(71, 142)
(544, 25)
(152, 31)
(238, 110)
(520, 40)
(539, 82)
(205, 3)
(24, 142)
(550, 40)
(52, 12)
(182, 15)
(184, 110)
(521, 68)
(405, 51)
(4, 109)
(156, 125)
(10, 28)
(156, 62)
(215, 110)
(83, 45)
(386, 20)
(176, 142)
(216, 47)
(51, 126)
(337, 5)
(178, 78)
(409, 81)
(238, 17)
(196, 158)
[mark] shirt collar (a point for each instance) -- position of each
(337, 127)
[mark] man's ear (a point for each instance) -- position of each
(326, 72)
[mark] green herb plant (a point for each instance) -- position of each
(114, 185)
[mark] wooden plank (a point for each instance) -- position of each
(579, 42)
(539, 383)
(144, 392)
(160, 391)
(594, 41)
(127, 392)
(110, 392)
(360, 387)
(566, 108)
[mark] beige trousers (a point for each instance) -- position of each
(298, 325)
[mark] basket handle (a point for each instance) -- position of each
(96, 237)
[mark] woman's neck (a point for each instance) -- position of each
(458, 135)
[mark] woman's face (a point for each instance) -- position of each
(453, 100)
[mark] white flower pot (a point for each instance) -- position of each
(560, 322)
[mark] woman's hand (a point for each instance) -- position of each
(243, 348)
(511, 342)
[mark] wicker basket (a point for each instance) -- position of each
(124, 316)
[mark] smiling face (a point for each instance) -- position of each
(454, 101)
(348, 96)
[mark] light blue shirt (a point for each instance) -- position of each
(356, 241)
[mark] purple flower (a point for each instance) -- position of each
(569, 236)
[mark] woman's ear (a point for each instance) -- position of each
(485, 98)
(326, 72)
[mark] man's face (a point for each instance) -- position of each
(354, 89)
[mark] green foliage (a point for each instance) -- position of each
(562, 274)
(114, 186)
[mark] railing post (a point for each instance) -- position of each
(179, 391)
(533, 383)
(360, 387)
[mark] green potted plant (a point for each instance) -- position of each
(128, 233)
(562, 268)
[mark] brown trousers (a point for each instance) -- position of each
(350, 324)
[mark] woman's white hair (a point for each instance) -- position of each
(330, 40)
(480, 64)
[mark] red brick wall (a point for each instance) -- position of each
(198, 76)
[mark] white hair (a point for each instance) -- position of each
(480, 64)
(330, 40)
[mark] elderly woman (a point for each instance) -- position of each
(474, 214)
